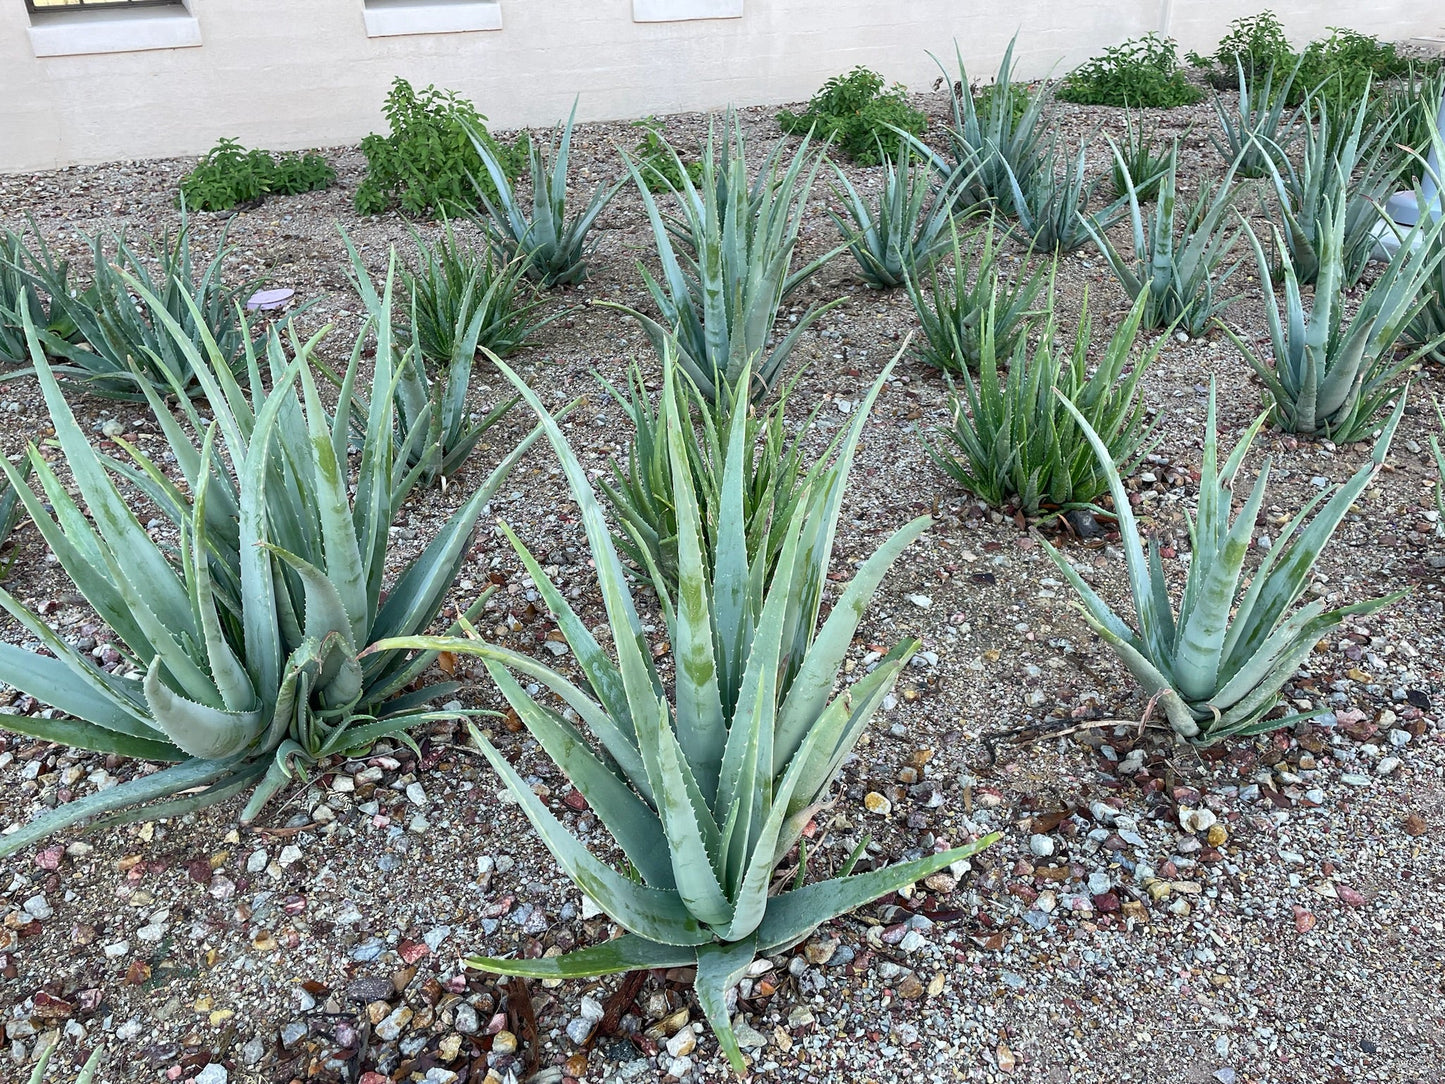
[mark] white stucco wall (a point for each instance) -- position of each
(296, 73)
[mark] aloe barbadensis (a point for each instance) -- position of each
(708, 788)
(1332, 377)
(247, 633)
(1218, 666)
(719, 302)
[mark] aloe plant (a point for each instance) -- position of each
(1257, 131)
(956, 304)
(706, 783)
(1182, 276)
(1141, 161)
(1217, 666)
(10, 512)
(1052, 210)
(246, 634)
(554, 246)
(126, 348)
(454, 286)
(1019, 445)
(1005, 139)
(87, 1071)
(1352, 168)
(642, 495)
(719, 303)
(907, 232)
(435, 428)
(22, 270)
(1332, 377)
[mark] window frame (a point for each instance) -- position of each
(95, 5)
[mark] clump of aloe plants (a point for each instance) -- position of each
(242, 643)
(706, 782)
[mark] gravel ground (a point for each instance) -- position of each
(1267, 911)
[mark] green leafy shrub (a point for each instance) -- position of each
(427, 162)
(905, 234)
(119, 348)
(229, 175)
(1255, 43)
(707, 783)
(641, 492)
(553, 247)
(858, 113)
(243, 637)
(953, 311)
(718, 304)
(661, 170)
(1180, 276)
(1016, 444)
(1141, 72)
(1218, 666)
(1332, 377)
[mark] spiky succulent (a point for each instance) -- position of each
(909, 228)
(241, 641)
(708, 781)
(1182, 275)
(1331, 376)
(1217, 667)
(718, 303)
(554, 246)
(1015, 443)
(1257, 132)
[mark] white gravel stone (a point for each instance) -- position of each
(1041, 846)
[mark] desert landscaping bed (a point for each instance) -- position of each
(1268, 910)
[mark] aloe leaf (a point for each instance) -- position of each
(649, 912)
(793, 915)
(172, 780)
(719, 968)
(199, 730)
(626, 953)
(814, 682)
(632, 823)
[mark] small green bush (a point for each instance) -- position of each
(1257, 44)
(660, 170)
(426, 165)
(229, 174)
(1141, 72)
(858, 112)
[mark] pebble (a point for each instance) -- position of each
(877, 804)
(416, 794)
(579, 1029)
(257, 861)
(466, 1019)
(923, 602)
(1099, 883)
(504, 1042)
(214, 1073)
(1041, 846)
(38, 907)
(1354, 780)
(683, 1043)
(1387, 766)
(390, 1029)
(252, 1051)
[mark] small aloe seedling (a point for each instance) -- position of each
(706, 782)
(1217, 666)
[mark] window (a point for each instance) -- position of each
(51, 5)
(669, 11)
(392, 18)
(77, 27)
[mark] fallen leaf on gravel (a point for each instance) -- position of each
(1415, 824)
(1006, 1059)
